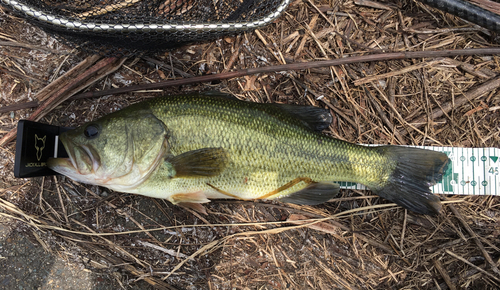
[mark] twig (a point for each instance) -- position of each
(114, 260)
(277, 68)
(167, 251)
(268, 46)
(395, 73)
(33, 47)
(161, 64)
(66, 78)
(476, 239)
(448, 106)
(235, 54)
(334, 223)
(337, 32)
(118, 248)
(80, 82)
(400, 118)
(372, 4)
(20, 75)
(470, 264)
(61, 200)
(107, 9)
(295, 66)
(488, 5)
(326, 227)
(444, 274)
(201, 250)
(384, 117)
(472, 69)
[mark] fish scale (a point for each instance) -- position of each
(263, 168)
(220, 147)
(269, 141)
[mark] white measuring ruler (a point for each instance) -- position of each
(472, 171)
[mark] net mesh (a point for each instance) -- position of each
(125, 26)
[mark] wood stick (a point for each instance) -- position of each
(296, 66)
(444, 274)
(66, 78)
(384, 118)
(32, 47)
(476, 240)
(300, 66)
(395, 73)
(470, 264)
(64, 93)
(20, 75)
(448, 106)
(277, 68)
(107, 9)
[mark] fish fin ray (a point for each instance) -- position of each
(314, 193)
(287, 186)
(191, 197)
(416, 170)
(199, 163)
(315, 118)
(219, 94)
(194, 206)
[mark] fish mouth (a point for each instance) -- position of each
(83, 160)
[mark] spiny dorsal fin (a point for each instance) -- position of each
(314, 193)
(199, 163)
(317, 119)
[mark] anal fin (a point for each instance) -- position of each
(314, 193)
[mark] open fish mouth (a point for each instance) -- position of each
(63, 166)
(82, 160)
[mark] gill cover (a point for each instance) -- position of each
(118, 151)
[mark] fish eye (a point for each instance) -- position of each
(91, 131)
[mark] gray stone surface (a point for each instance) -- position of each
(26, 265)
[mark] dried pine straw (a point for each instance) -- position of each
(357, 241)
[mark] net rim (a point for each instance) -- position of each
(63, 22)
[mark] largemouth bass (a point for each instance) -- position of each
(193, 148)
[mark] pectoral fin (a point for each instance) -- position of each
(199, 163)
(314, 193)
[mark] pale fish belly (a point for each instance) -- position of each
(229, 185)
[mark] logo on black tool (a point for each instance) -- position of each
(39, 145)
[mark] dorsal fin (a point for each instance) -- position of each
(317, 119)
(218, 94)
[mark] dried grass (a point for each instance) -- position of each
(355, 242)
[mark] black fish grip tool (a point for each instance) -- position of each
(36, 143)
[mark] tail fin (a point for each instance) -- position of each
(416, 170)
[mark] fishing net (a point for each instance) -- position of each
(125, 26)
